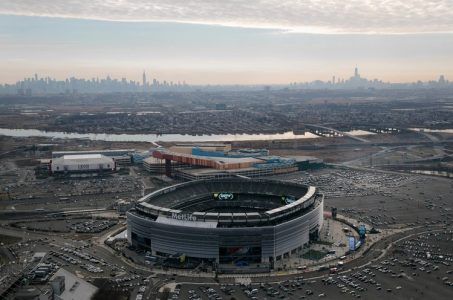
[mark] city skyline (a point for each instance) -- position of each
(144, 77)
(48, 85)
(213, 42)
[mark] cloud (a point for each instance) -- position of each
(314, 16)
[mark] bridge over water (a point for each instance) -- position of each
(328, 131)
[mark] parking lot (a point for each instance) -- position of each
(382, 199)
(21, 190)
(416, 268)
(67, 225)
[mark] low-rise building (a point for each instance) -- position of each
(83, 163)
(67, 286)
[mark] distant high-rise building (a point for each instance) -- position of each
(333, 79)
(356, 72)
(47, 85)
(442, 79)
(144, 79)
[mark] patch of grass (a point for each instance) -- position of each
(314, 254)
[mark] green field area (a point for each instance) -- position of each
(314, 254)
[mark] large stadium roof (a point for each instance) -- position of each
(173, 204)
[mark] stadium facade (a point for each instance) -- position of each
(227, 221)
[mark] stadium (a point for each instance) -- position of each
(231, 222)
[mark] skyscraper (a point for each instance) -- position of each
(144, 80)
(356, 72)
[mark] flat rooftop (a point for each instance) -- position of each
(220, 160)
(94, 151)
(75, 287)
(207, 171)
(82, 156)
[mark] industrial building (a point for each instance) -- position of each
(227, 221)
(62, 285)
(67, 286)
(82, 163)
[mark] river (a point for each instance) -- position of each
(289, 135)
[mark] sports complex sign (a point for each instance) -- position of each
(183, 217)
(223, 196)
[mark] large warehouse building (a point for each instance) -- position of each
(82, 163)
(229, 221)
(120, 156)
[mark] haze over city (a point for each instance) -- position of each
(219, 42)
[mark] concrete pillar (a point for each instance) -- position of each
(168, 167)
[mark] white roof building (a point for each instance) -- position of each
(82, 163)
(73, 287)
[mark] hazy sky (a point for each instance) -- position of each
(220, 41)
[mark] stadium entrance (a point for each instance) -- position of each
(239, 256)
